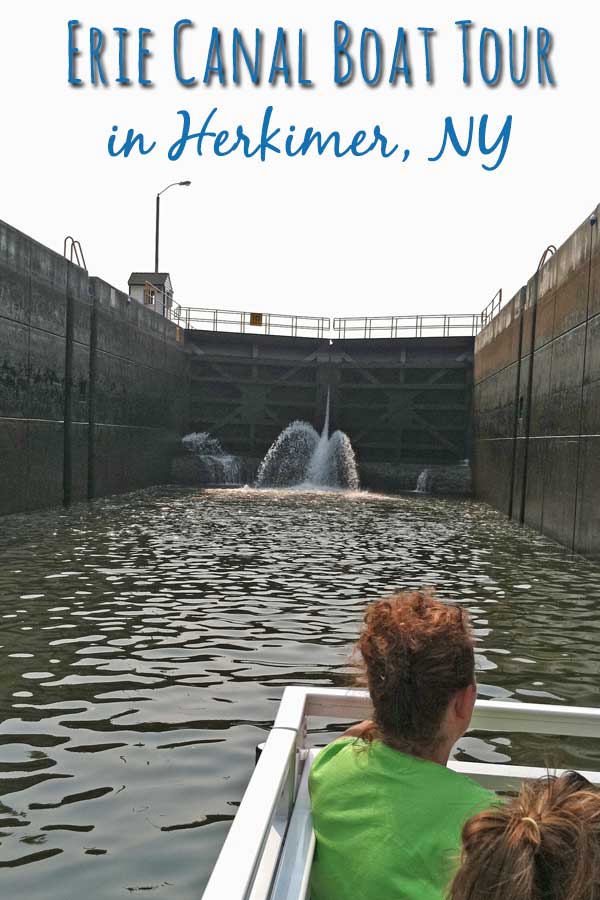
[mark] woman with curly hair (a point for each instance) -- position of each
(544, 845)
(387, 812)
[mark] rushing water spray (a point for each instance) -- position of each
(320, 463)
(214, 464)
(288, 459)
(300, 456)
(423, 481)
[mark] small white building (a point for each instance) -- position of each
(152, 289)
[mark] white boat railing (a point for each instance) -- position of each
(249, 866)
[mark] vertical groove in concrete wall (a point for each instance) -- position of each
(68, 401)
(582, 395)
(528, 395)
(520, 300)
(91, 473)
(537, 364)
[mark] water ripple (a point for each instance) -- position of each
(145, 641)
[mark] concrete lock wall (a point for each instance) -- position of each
(537, 398)
(93, 388)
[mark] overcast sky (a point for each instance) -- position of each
(314, 235)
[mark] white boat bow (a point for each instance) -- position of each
(268, 852)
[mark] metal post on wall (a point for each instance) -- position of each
(76, 257)
(517, 401)
(549, 251)
(156, 232)
(528, 398)
(157, 217)
(593, 224)
(68, 396)
(92, 377)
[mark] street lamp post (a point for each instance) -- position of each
(157, 227)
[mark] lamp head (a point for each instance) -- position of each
(185, 183)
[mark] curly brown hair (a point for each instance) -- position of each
(543, 845)
(417, 653)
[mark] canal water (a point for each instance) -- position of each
(146, 639)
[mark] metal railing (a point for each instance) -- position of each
(359, 327)
(457, 325)
(492, 309)
(161, 301)
(243, 322)
(75, 251)
(548, 252)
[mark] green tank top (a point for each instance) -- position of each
(387, 825)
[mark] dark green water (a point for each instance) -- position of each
(145, 642)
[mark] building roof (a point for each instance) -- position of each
(159, 279)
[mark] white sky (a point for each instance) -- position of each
(314, 235)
